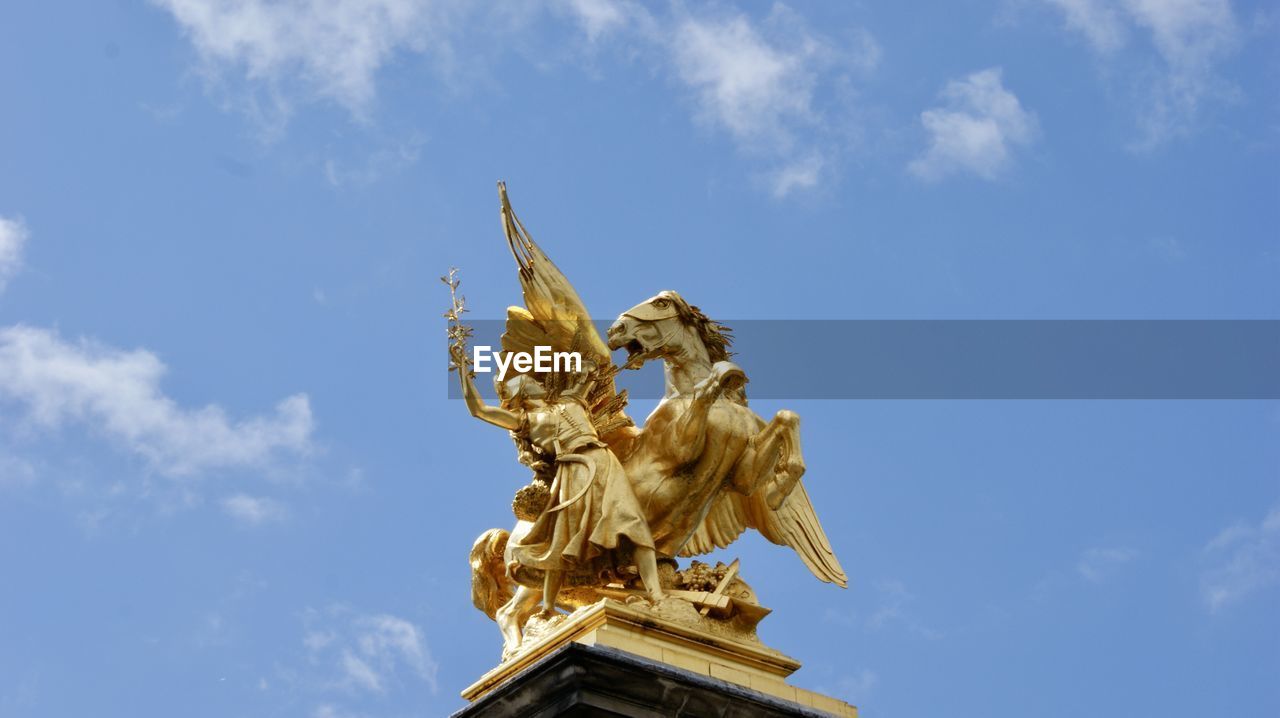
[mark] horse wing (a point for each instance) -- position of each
(794, 524)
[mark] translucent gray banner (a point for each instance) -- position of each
(981, 359)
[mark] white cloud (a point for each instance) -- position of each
(13, 236)
(368, 652)
(334, 47)
(1245, 558)
(1098, 20)
(254, 510)
(116, 393)
(1096, 564)
(360, 674)
(804, 174)
(977, 130)
(756, 80)
(1189, 36)
(1186, 34)
(760, 82)
(745, 84)
(602, 17)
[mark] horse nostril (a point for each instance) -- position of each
(611, 334)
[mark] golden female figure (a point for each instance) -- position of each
(593, 509)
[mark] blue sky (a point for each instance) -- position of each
(231, 483)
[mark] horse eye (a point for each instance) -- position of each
(660, 303)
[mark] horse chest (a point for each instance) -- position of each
(671, 471)
(664, 438)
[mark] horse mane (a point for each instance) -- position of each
(715, 336)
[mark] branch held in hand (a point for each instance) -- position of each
(458, 332)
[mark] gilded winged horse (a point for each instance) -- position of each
(704, 467)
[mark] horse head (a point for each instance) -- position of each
(668, 328)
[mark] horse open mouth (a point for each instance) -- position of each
(636, 354)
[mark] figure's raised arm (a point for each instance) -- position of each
(495, 415)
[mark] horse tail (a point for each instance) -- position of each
(490, 586)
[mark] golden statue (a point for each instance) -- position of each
(613, 504)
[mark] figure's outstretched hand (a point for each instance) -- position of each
(458, 357)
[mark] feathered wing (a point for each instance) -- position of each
(794, 524)
(554, 316)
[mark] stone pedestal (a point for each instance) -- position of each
(616, 660)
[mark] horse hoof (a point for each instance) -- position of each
(728, 376)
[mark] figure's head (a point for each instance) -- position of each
(519, 391)
(651, 328)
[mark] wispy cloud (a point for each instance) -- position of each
(895, 609)
(116, 393)
(1096, 564)
(367, 653)
(369, 169)
(753, 88)
(13, 237)
(857, 687)
(599, 18)
(1190, 37)
(1100, 21)
(326, 49)
(758, 81)
(1244, 558)
(802, 174)
(254, 510)
(977, 130)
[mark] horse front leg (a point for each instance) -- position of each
(772, 461)
(691, 428)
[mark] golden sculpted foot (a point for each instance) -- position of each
(647, 563)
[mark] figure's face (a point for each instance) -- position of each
(641, 330)
(520, 392)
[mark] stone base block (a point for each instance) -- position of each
(617, 660)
